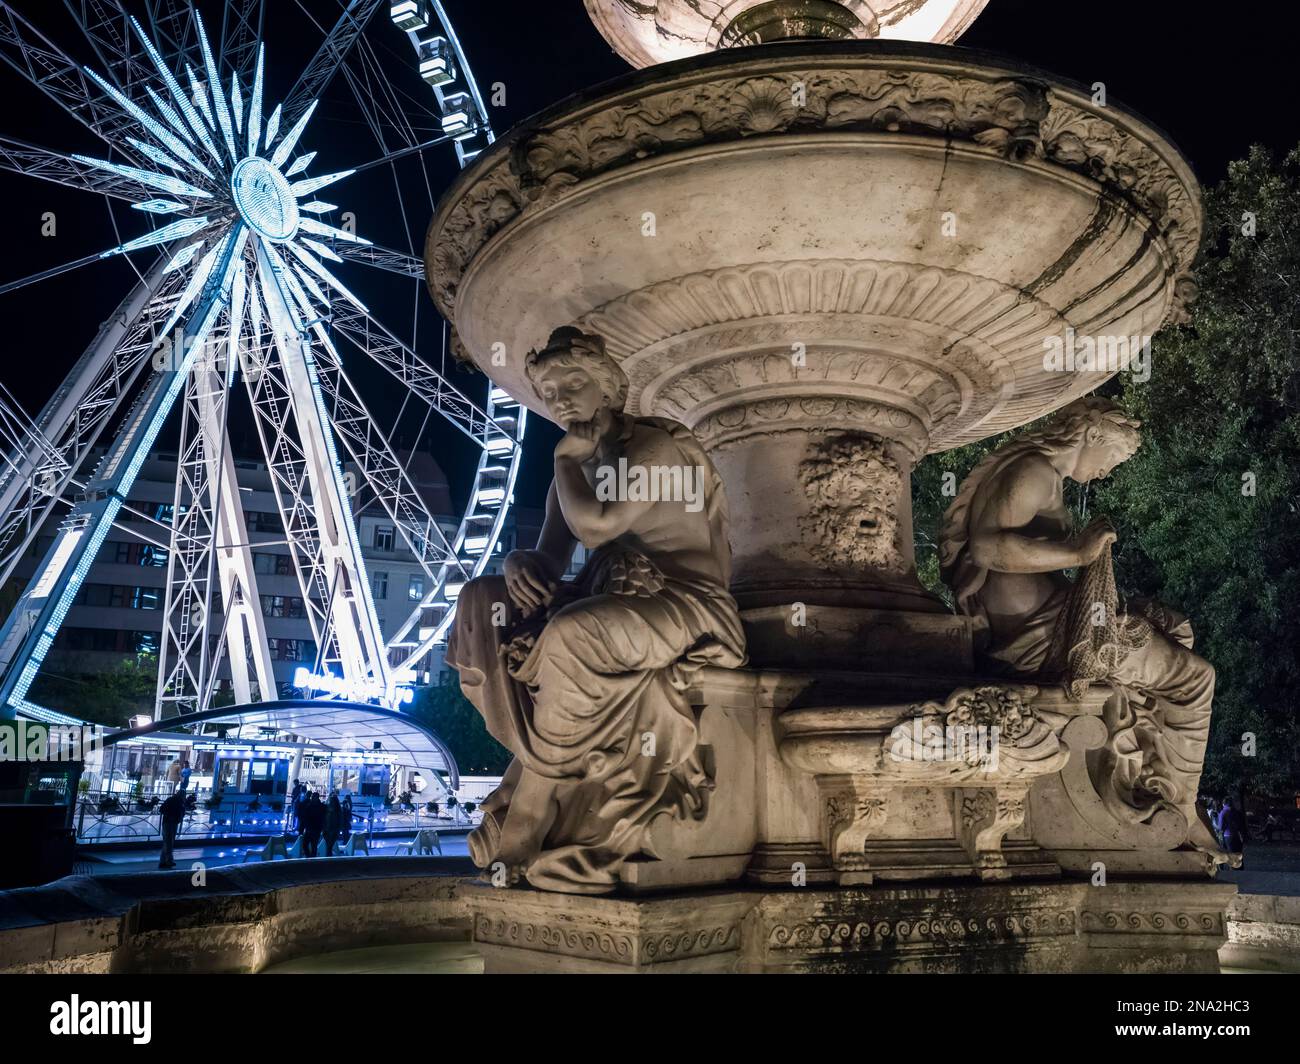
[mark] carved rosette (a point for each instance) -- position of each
(987, 734)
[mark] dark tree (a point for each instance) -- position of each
(458, 724)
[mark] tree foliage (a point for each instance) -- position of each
(109, 697)
(459, 725)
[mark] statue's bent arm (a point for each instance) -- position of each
(556, 541)
(1021, 493)
(596, 522)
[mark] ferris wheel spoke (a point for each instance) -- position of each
(24, 158)
(35, 57)
(107, 27)
(380, 467)
(373, 339)
(380, 257)
(45, 275)
(77, 415)
(173, 29)
(241, 34)
(402, 153)
(329, 57)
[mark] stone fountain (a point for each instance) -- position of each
(830, 244)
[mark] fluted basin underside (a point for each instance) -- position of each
(918, 219)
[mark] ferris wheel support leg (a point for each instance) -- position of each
(239, 587)
(208, 497)
(353, 620)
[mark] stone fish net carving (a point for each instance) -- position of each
(1084, 651)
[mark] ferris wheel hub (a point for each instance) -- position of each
(264, 199)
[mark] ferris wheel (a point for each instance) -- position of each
(250, 297)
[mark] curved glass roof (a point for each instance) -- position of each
(332, 725)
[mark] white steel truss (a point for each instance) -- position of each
(243, 285)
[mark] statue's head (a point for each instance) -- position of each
(1102, 434)
(575, 378)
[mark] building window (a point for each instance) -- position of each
(146, 598)
(260, 521)
(282, 606)
(379, 585)
(383, 537)
(292, 649)
(120, 596)
(415, 589)
(108, 640)
(272, 564)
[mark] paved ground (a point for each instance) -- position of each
(1270, 868)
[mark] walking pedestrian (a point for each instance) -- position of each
(311, 815)
(333, 818)
(1232, 827)
(345, 828)
(172, 812)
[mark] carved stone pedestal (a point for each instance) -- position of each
(993, 927)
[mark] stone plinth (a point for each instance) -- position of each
(828, 259)
(993, 928)
(819, 773)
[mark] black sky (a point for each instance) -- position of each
(1213, 85)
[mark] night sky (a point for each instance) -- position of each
(1213, 85)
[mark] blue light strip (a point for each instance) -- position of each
(200, 96)
(178, 94)
(162, 182)
(300, 164)
(236, 103)
(176, 231)
(169, 113)
(151, 124)
(255, 108)
(310, 225)
(273, 126)
(214, 83)
(290, 141)
(156, 154)
(182, 257)
(309, 185)
(312, 264)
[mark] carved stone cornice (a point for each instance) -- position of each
(885, 933)
(903, 91)
(1124, 159)
(811, 413)
(1205, 922)
(602, 944)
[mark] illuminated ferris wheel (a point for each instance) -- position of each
(248, 298)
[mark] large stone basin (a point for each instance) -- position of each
(827, 259)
